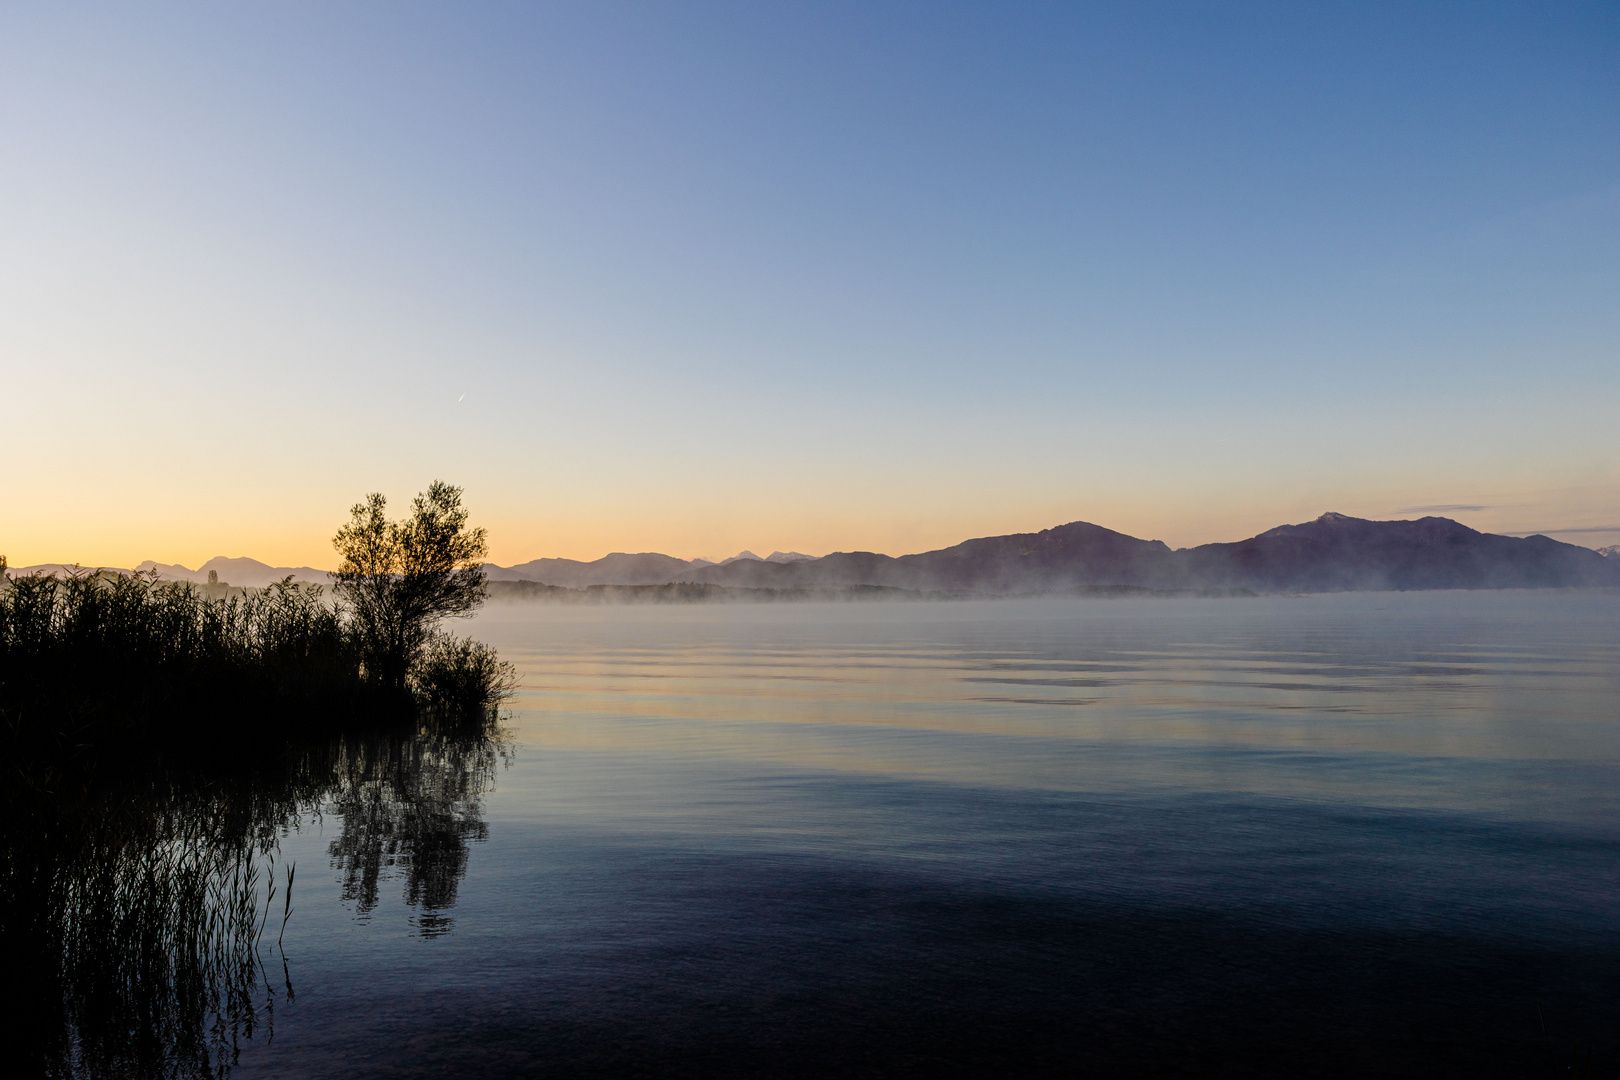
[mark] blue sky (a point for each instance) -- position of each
(700, 277)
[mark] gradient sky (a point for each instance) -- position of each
(700, 277)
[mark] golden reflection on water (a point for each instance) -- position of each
(1370, 696)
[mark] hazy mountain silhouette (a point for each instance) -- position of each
(1334, 553)
(57, 569)
(646, 568)
(248, 572)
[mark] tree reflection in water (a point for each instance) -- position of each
(410, 808)
(141, 902)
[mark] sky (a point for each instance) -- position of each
(699, 277)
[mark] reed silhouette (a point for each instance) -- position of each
(93, 657)
(156, 741)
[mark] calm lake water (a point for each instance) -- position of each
(1347, 835)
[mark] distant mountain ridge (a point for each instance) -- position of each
(619, 568)
(1334, 553)
(244, 572)
(249, 572)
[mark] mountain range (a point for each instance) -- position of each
(250, 572)
(247, 572)
(1334, 553)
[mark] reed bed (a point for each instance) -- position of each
(155, 743)
(91, 657)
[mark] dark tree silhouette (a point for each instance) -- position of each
(401, 578)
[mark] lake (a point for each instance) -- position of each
(1339, 835)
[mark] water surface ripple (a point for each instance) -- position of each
(1347, 835)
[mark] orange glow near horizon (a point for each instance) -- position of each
(300, 537)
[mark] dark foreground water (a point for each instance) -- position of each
(1348, 835)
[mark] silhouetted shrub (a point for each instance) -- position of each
(460, 678)
(399, 579)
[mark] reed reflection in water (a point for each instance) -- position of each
(142, 902)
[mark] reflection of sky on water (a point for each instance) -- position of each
(1501, 703)
(1194, 836)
